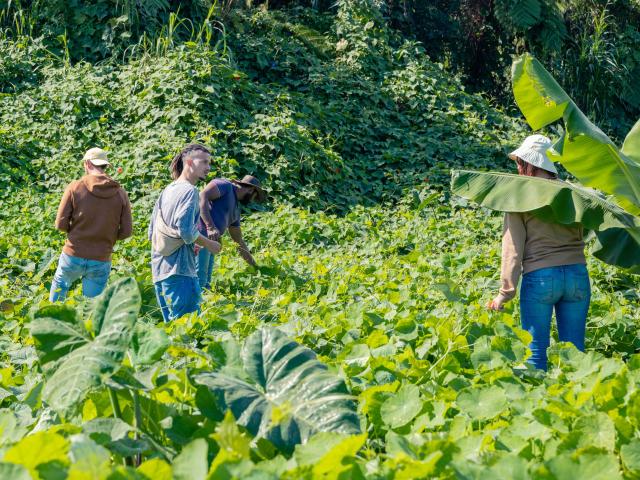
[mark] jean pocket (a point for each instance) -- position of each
(65, 260)
(580, 288)
(538, 288)
(69, 265)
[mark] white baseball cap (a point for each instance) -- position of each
(96, 156)
(534, 151)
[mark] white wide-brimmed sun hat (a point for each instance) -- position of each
(534, 151)
(97, 156)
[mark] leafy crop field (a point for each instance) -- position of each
(361, 347)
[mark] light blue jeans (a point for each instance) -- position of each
(177, 295)
(94, 275)
(565, 289)
(204, 264)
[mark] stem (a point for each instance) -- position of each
(137, 418)
(117, 412)
(115, 405)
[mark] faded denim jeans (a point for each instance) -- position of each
(204, 264)
(94, 275)
(178, 295)
(567, 290)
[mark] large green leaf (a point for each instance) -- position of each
(401, 408)
(88, 366)
(482, 403)
(191, 463)
(148, 344)
(617, 231)
(38, 449)
(631, 145)
(288, 394)
(630, 456)
(56, 331)
(595, 466)
(584, 150)
(14, 472)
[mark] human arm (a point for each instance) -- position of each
(211, 245)
(126, 222)
(513, 239)
(186, 216)
(152, 221)
(65, 210)
(236, 235)
(209, 193)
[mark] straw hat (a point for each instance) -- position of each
(534, 151)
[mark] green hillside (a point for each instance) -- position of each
(365, 260)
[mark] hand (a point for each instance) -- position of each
(213, 234)
(213, 246)
(495, 304)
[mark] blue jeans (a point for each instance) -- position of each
(565, 288)
(204, 263)
(177, 295)
(94, 274)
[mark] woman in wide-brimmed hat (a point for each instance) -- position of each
(219, 212)
(550, 258)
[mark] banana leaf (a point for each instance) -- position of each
(617, 232)
(584, 150)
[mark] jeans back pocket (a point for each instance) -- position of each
(578, 287)
(538, 288)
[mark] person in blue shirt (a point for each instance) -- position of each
(175, 220)
(219, 212)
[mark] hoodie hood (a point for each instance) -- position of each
(101, 186)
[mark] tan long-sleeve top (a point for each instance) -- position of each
(529, 244)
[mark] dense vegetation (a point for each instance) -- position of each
(365, 260)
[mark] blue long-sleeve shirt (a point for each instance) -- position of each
(180, 207)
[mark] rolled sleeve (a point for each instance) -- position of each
(187, 218)
(513, 241)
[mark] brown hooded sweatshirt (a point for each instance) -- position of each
(95, 212)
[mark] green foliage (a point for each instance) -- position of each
(88, 366)
(583, 149)
(374, 280)
(148, 343)
(391, 298)
(95, 30)
(287, 395)
(617, 231)
(37, 451)
(400, 409)
(519, 14)
(590, 46)
(482, 403)
(327, 135)
(192, 461)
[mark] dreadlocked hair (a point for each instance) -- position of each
(177, 164)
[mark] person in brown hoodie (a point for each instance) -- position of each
(94, 212)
